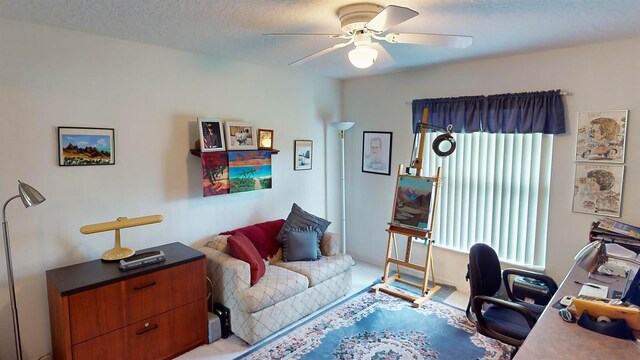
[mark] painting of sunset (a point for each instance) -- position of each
(249, 170)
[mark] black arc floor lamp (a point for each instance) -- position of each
(30, 197)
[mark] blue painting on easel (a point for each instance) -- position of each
(413, 201)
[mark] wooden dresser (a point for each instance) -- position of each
(154, 312)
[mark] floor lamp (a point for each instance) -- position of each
(30, 197)
(343, 126)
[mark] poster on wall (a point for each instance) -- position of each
(598, 189)
(215, 173)
(601, 136)
(376, 152)
(413, 202)
(249, 170)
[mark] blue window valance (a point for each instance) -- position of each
(532, 112)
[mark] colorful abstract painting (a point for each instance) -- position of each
(249, 170)
(215, 173)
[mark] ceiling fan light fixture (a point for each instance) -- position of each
(363, 57)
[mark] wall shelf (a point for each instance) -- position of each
(196, 152)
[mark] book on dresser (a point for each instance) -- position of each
(157, 311)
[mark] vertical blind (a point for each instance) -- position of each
(495, 186)
(494, 190)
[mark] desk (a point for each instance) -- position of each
(553, 338)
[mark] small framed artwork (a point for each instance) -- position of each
(211, 134)
(265, 139)
(302, 154)
(79, 146)
(241, 135)
(598, 189)
(601, 136)
(376, 152)
(412, 206)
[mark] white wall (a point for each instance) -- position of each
(152, 97)
(599, 77)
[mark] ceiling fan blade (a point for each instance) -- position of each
(390, 17)
(455, 41)
(320, 53)
(305, 34)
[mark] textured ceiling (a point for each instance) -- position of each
(233, 28)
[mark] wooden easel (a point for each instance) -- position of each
(427, 270)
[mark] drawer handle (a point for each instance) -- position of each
(144, 286)
(147, 328)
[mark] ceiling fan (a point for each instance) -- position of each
(364, 23)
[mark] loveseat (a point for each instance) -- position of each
(288, 290)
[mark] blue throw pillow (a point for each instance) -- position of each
(299, 218)
(301, 244)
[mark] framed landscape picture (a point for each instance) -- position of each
(78, 146)
(598, 189)
(241, 136)
(601, 136)
(376, 152)
(211, 134)
(302, 154)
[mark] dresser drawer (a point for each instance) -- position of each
(107, 308)
(153, 338)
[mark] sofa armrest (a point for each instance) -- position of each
(228, 275)
(330, 244)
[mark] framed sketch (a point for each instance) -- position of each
(598, 189)
(376, 152)
(241, 135)
(211, 134)
(265, 139)
(86, 146)
(302, 154)
(412, 205)
(601, 136)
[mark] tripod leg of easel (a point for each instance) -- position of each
(385, 277)
(427, 292)
(395, 246)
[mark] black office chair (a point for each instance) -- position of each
(506, 321)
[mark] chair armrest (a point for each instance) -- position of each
(330, 244)
(228, 275)
(547, 280)
(479, 300)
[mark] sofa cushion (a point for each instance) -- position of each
(321, 270)
(240, 247)
(262, 235)
(276, 285)
(219, 242)
(301, 244)
(299, 218)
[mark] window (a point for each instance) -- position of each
(495, 190)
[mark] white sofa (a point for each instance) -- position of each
(286, 293)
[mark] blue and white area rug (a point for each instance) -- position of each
(381, 326)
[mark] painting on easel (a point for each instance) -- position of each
(413, 201)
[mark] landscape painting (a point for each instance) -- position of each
(413, 202)
(215, 173)
(86, 146)
(249, 170)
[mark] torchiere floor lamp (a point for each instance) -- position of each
(343, 126)
(30, 197)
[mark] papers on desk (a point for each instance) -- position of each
(594, 290)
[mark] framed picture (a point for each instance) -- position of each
(598, 189)
(302, 154)
(211, 135)
(601, 136)
(86, 146)
(376, 152)
(265, 139)
(241, 136)
(249, 170)
(412, 205)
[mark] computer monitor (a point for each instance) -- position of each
(632, 290)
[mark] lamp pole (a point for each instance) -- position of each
(342, 127)
(12, 291)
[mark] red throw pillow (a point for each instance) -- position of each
(262, 235)
(240, 247)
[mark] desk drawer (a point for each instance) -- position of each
(111, 307)
(157, 337)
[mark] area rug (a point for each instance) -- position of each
(380, 326)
